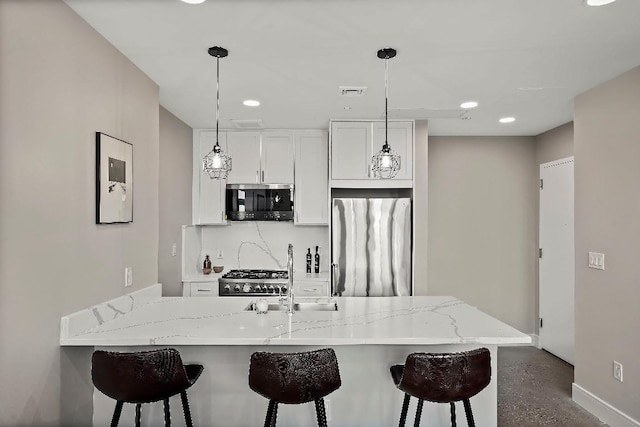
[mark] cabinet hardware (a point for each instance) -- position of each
(262, 176)
(257, 176)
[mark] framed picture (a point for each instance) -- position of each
(114, 180)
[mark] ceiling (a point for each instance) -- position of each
(526, 58)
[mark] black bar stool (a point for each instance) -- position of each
(442, 378)
(294, 378)
(144, 377)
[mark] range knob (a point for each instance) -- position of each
(227, 289)
(236, 288)
(246, 288)
(284, 289)
(271, 289)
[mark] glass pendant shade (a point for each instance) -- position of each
(385, 164)
(217, 163)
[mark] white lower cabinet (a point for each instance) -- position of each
(200, 289)
(311, 288)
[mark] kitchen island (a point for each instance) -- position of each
(368, 335)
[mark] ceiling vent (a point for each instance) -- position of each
(248, 124)
(426, 113)
(352, 91)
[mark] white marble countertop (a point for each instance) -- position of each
(153, 320)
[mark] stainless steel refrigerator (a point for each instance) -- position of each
(371, 246)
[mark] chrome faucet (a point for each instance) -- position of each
(290, 278)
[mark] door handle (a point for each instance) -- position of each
(262, 176)
(334, 279)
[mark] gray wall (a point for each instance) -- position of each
(607, 202)
(554, 144)
(421, 208)
(482, 224)
(60, 82)
(176, 163)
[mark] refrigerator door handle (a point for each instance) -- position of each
(334, 267)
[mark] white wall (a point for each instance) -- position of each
(607, 209)
(174, 177)
(482, 224)
(60, 82)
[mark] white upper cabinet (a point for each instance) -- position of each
(311, 179)
(400, 138)
(208, 194)
(277, 158)
(350, 147)
(244, 149)
(261, 158)
(353, 143)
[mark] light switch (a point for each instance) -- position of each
(596, 260)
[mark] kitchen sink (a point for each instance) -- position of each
(299, 306)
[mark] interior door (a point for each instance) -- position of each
(556, 266)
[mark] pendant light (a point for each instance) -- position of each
(386, 163)
(217, 163)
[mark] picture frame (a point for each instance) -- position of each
(114, 180)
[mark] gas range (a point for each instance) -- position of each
(253, 283)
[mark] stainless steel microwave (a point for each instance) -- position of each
(259, 202)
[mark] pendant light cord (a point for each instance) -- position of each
(386, 97)
(217, 97)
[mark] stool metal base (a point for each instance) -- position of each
(272, 413)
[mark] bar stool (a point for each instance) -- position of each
(442, 378)
(144, 377)
(294, 378)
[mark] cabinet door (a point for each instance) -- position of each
(400, 136)
(244, 149)
(312, 174)
(277, 158)
(350, 142)
(208, 194)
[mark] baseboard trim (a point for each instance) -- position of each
(601, 409)
(535, 340)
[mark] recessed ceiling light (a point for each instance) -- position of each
(193, 1)
(469, 104)
(507, 120)
(598, 2)
(251, 103)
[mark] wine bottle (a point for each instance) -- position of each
(317, 259)
(308, 260)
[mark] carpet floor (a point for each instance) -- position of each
(534, 389)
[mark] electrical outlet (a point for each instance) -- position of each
(596, 260)
(128, 276)
(327, 408)
(220, 254)
(174, 250)
(617, 370)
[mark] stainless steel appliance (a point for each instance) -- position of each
(259, 202)
(253, 283)
(371, 246)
